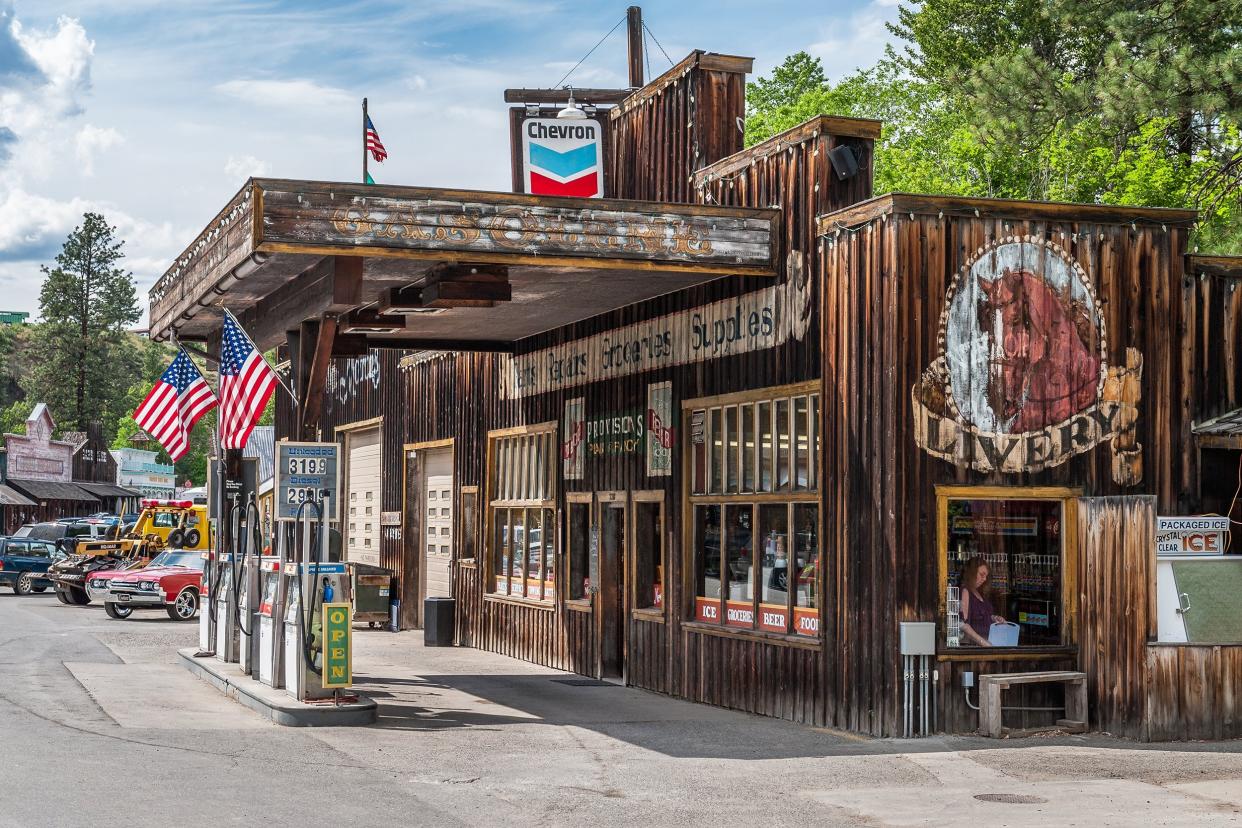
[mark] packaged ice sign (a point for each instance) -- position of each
(563, 158)
(1201, 535)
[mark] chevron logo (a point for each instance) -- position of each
(562, 159)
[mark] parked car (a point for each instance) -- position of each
(173, 580)
(23, 561)
(67, 532)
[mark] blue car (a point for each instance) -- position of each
(23, 560)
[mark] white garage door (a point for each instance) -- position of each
(438, 534)
(362, 535)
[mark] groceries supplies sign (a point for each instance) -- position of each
(563, 157)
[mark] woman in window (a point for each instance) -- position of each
(977, 614)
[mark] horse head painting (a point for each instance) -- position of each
(1043, 350)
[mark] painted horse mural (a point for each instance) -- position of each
(1044, 363)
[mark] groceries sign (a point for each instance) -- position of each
(563, 158)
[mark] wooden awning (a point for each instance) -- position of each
(285, 252)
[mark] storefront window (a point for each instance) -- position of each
(578, 530)
(522, 515)
(757, 560)
(1004, 572)
(648, 555)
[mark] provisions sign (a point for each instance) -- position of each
(1191, 535)
(563, 157)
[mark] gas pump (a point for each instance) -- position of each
(224, 590)
(246, 588)
(311, 582)
(272, 614)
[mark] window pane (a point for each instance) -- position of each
(707, 563)
(739, 569)
(806, 564)
(815, 441)
(649, 563)
(766, 442)
(748, 447)
(500, 549)
(1004, 561)
(782, 446)
(517, 547)
(469, 524)
(549, 554)
(698, 441)
(774, 566)
(802, 445)
(579, 539)
(534, 553)
(716, 449)
(731, 450)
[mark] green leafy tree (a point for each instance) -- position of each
(84, 362)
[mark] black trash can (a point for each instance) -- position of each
(438, 621)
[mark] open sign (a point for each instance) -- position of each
(1191, 535)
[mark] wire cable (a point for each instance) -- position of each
(657, 43)
(588, 54)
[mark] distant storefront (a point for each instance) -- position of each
(40, 470)
(137, 469)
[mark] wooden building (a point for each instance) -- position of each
(719, 442)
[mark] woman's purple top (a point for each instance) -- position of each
(979, 614)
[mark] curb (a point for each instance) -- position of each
(277, 705)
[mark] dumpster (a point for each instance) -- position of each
(438, 621)
(372, 592)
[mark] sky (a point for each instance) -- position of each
(155, 112)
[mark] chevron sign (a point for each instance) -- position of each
(563, 158)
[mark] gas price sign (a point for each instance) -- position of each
(306, 471)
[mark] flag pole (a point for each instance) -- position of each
(279, 379)
(365, 176)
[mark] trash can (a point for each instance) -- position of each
(438, 621)
(372, 593)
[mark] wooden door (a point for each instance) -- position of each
(611, 600)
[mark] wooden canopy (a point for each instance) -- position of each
(415, 267)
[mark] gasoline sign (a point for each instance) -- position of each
(306, 471)
(563, 157)
(1191, 535)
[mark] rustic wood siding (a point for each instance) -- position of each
(1215, 334)
(885, 281)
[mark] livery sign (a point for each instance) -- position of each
(563, 158)
(1022, 380)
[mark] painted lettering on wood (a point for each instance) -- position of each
(1022, 381)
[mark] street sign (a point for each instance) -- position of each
(1200, 535)
(307, 471)
(337, 659)
(563, 157)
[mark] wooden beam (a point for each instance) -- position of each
(560, 96)
(466, 294)
(320, 339)
(411, 343)
(634, 45)
(365, 320)
(331, 285)
(349, 345)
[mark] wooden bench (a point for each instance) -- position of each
(990, 710)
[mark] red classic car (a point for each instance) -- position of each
(173, 580)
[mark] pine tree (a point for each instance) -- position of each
(85, 362)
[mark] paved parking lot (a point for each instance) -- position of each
(101, 726)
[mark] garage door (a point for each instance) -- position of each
(362, 535)
(438, 536)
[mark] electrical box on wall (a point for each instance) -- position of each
(918, 638)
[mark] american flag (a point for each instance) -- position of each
(374, 144)
(246, 384)
(180, 397)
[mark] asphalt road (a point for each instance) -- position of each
(100, 726)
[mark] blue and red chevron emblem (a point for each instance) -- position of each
(562, 159)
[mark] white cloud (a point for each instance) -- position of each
(293, 94)
(63, 55)
(240, 167)
(857, 41)
(91, 141)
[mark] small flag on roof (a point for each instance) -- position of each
(374, 145)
